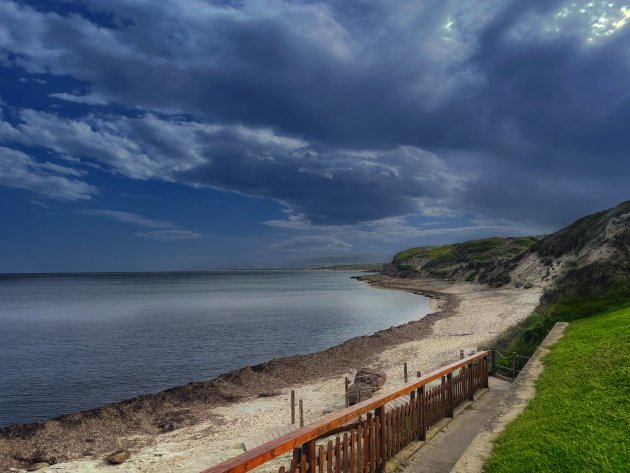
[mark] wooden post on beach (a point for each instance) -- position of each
(513, 366)
(405, 371)
(301, 413)
(417, 391)
(292, 407)
(347, 394)
(461, 354)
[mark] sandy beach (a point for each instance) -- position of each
(212, 419)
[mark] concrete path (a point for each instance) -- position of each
(441, 453)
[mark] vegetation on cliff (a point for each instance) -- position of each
(591, 253)
(590, 260)
(485, 261)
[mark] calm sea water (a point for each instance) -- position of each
(77, 341)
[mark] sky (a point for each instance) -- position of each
(197, 134)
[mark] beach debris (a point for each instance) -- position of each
(167, 427)
(370, 377)
(176, 419)
(37, 466)
(366, 381)
(118, 457)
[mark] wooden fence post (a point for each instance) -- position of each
(461, 354)
(486, 381)
(292, 407)
(494, 361)
(449, 391)
(347, 394)
(513, 366)
(308, 450)
(405, 371)
(301, 413)
(470, 371)
(380, 448)
(418, 374)
(368, 445)
(423, 415)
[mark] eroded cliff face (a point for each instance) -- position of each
(593, 250)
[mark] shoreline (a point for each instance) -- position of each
(438, 301)
(212, 418)
(183, 406)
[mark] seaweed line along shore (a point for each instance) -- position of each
(211, 419)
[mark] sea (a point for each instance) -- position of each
(70, 342)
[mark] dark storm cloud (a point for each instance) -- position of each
(293, 67)
(345, 111)
(332, 188)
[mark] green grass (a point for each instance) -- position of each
(579, 420)
(473, 250)
(430, 252)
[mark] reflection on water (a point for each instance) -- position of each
(74, 342)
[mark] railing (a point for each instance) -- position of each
(367, 443)
(503, 370)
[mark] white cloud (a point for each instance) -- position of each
(252, 161)
(128, 217)
(51, 180)
(167, 231)
(147, 147)
(89, 99)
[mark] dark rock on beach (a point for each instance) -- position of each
(370, 377)
(366, 381)
(118, 457)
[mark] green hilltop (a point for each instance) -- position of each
(483, 260)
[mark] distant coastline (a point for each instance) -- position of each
(367, 268)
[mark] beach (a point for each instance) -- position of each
(212, 419)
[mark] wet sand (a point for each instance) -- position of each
(211, 419)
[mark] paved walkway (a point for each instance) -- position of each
(441, 453)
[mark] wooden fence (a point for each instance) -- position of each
(361, 438)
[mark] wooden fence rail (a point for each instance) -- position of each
(365, 445)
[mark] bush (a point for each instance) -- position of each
(526, 336)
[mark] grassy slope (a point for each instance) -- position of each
(486, 261)
(579, 419)
(473, 250)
